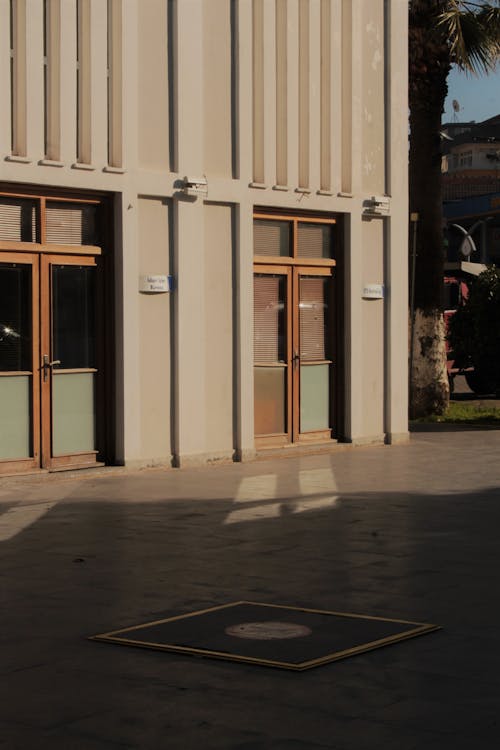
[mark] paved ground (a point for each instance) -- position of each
(409, 532)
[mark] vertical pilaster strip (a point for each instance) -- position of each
(115, 83)
(270, 92)
(67, 83)
(326, 95)
(189, 220)
(356, 104)
(35, 147)
(19, 78)
(346, 150)
(353, 330)
(281, 92)
(396, 398)
(99, 81)
(53, 80)
(336, 99)
(243, 102)
(304, 93)
(293, 92)
(5, 78)
(244, 397)
(315, 94)
(129, 85)
(258, 90)
(84, 92)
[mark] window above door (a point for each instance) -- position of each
(293, 240)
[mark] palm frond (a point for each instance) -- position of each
(473, 33)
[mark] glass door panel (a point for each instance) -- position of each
(271, 353)
(74, 357)
(16, 362)
(73, 409)
(314, 347)
(69, 361)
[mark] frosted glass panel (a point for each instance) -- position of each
(314, 397)
(73, 412)
(269, 383)
(15, 421)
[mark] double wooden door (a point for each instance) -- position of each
(294, 353)
(48, 361)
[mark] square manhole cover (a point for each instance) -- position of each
(268, 634)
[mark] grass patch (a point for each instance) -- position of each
(463, 413)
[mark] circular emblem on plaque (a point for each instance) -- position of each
(268, 631)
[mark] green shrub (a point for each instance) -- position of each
(474, 332)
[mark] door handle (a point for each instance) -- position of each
(296, 358)
(46, 365)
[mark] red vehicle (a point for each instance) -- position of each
(456, 290)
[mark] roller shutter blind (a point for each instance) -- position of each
(272, 238)
(314, 240)
(70, 224)
(268, 319)
(18, 220)
(312, 309)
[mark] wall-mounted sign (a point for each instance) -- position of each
(155, 283)
(373, 291)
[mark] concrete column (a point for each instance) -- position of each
(67, 82)
(5, 140)
(99, 83)
(35, 105)
(396, 322)
(353, 329)
(189, 250)
(244, 400)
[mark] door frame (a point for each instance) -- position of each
(47, 459)
(32, 252)
(24, 465)
(293, 265)
(280, 438)
(311, 435)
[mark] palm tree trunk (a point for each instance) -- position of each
(429, 67)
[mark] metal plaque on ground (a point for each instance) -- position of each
(268, 634)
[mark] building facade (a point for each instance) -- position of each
(203, 229)
(471, 159)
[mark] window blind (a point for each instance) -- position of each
(70, 224)
(268, 319)
(312, 308)
(18, 220)
(314, 240)
(271, 238)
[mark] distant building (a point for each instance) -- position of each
(203, 229)
(471, 159)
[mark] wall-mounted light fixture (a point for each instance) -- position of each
(195, 186)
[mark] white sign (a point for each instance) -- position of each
(373, 291)
(155, 283)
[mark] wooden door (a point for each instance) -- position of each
(48, 361)
(68, 360)
(19, 347)
(313, 353)
(293, 354)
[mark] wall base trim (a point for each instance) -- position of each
(397, 438)
(193, 460)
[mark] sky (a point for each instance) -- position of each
(479, 97)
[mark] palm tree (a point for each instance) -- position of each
(442, 33)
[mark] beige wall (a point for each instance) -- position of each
(218, 329)
(373, 331)
(314, 116)
(154, 332)
(153, 87)
(373, 154)
(217, 88)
